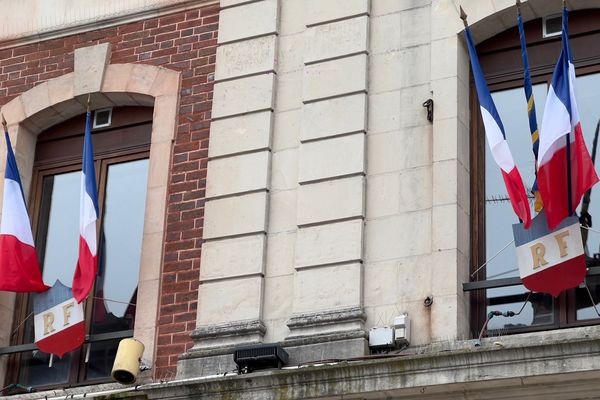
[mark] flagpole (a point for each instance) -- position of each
(568, 155)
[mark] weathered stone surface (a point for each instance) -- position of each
(318, 11)
(239, 134)
(243, 95)
(246, 57)
(332, 158)
(336, 39)
(331, 200)
(331, 243)
(247, 21)
(333, 117)
(235, 215)
(335, 77)
(238, 174)
(233, 257)
(90, 65)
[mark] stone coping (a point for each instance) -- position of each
(555, 362)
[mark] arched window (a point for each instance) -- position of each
(499, 286)
(121, 149)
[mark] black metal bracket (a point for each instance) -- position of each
(429, 105)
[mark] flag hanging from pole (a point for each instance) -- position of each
(565, 169)
(87, 263)
(494, 131)
(533, 128)
(19, 267)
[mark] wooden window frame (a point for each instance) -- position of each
(502, 75)
(127, 121)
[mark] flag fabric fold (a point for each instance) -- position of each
(565, 169)
(496, 139)
(19, 266)
(533, 127)
(87, 263)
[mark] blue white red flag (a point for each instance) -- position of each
(19, 267)
(58, 320)
(494, 131)
(87, 263)
(550, 261)
(565, 169)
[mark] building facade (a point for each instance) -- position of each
(313, 169)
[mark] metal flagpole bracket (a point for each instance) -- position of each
(429, 105)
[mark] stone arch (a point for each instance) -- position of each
(56, 100)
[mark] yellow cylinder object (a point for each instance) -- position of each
(127, 362)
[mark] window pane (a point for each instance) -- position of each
(539, 309)
(62, 217)
(119, 262)
(34, 370)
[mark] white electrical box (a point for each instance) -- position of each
(402, 330)
(381, 337)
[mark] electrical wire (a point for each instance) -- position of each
(492, 258)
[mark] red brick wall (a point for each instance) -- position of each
(184, 42)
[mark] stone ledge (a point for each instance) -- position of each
(559, 364)
(327, 317)
(230, 329)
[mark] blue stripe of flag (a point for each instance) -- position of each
(88, 163)
(12, 171)
(528, 86)
(560, 78)
(483, 92)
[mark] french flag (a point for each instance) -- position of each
(494, 131)
(19, 267)
(565, 169)
(87, 263)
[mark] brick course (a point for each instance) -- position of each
(184, 42)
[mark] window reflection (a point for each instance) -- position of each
(499, 215)
(60, 218)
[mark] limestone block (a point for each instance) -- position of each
(397, 69)
(404, 235)
(246, 57)
(415, 26)
(90, 65)
(336, 39)
(239, 134)
(416, 189)
(335, 77)
(232, 3)
(450, 140)
(235, 215)
(332, 157)
(445, 182)
(319, 11)
(383, 195)
(451, 96)
(334, 117)
(282, 211)
(331, 243)
(284, 170)
(386, 33)
(36, 99)
(232, 300)
(290, 50)
(238, 174)
(384, 112)
(229, 258)
(445, 49)
(280, 253)
(450, 228)
(289, 91)
(381, 7)
(331, 200)
(243, 95)
(412, 112)
(328, 288)
(287, 126)
(399, 150)
(291, 17)
(248, 21)
(278, 298)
